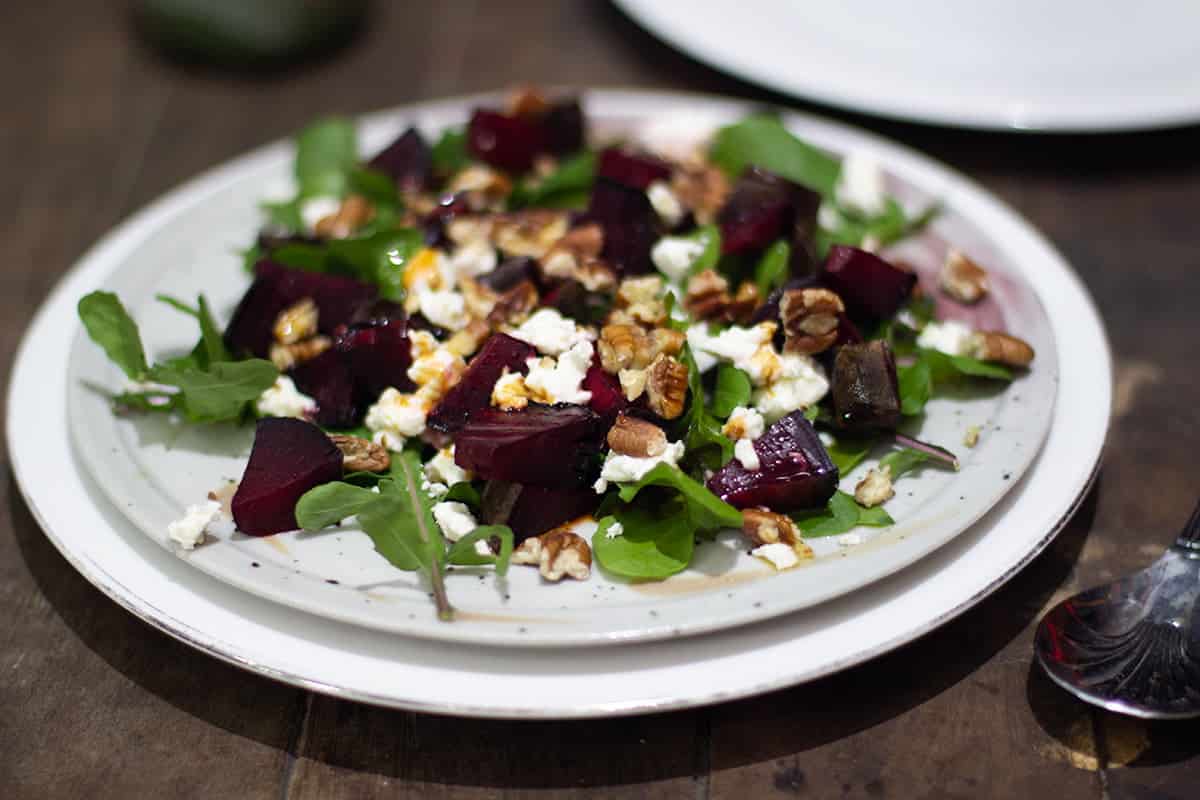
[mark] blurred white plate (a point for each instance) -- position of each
(1063, 65)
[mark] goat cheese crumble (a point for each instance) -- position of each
(673, 256)
(735, 344)
(442, 468)
(550, 381)
(860, 184)
(801, 383)
(188, 531)
(550, 332)
(446, 309)
(779, 555)
(950, 337)
(626, 469)
(665, 203)
(455, 520)
(614, 530)
(283, 399)
(743, 451)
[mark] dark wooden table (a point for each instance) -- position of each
(93, 703)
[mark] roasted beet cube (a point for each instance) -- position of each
(539, 509)
(794, 473)
(509, 273)
(277, 287)
(407, 160)
(550, 446)
(380, 311)
(474, 392)
(870, 287)
(562, 127)
(272, 237)
(763, 207)
(630, 225)
(433, 225)
(378, 355)
(628, 168)
(573, 299)
(866, 394)
(506, 142)
(328, 380)
(607, 398)
(289, 457)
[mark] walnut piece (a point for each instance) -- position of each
(707, 295)
(361, 455)
(526, 101)
(286, 356)
(810, 319)
(529, 233)
(701, 187)
(641, 299)
(297, 321)
(633, 383)
(514, 306)
(557, 554)
(468, 340)
(744, 303)
(484, 182)
(767, 527)
(666, 386)
(354, 212)
(971, 436)
(962, 278)
(875, 488)
(578, 247)
(630, 436)
(628, 346)
(1001, 348)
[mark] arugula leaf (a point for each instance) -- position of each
(219, 392)
(762, 140)
(330, 503)
(946, 366)
(211, 347)
(463, 551)
(572, 177)
(299, 255)
(379, 259)
(284, 214)
(771, 272)
(903, 460)
(374, 185)
(915, 382)
(326, 151)
(847, 452)
(706, 511)
(466, 493)
(706, 446)
(710, 237)
(890, 225)
(449, 153)
(918, 379)
(109, 325)
(732, 390)
(651, 546)
(840, 515)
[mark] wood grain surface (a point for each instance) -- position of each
(94, 703)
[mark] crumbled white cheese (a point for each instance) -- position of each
(674, 256)
(735, 344)
(483, 549)
(509, 391)
(283, 399)
(743, 451)
(315, 209)
(625, 469)
(432, 367)
(454, 519)
(396, 416)
(188, 531)
(550, 381)
(442, 468)
(446, 309)
(801, 383)
(434, 489)
(860, 184)
(950, 337)
(614, 530)
(744, 423)
(665, 203)
(476, 257)
(779, 555)
(550, 332)
(828, 217)
(850, 539)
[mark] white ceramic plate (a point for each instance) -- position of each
(1068, 65)
(152, 469)
(379, 667)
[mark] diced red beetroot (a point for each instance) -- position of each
(574, 300)
(607, 398)
(562, 127)
(506, 142)
(629, 222)
(795, 471)
(379, 311)
(550, 446)
(276, 287)
(538, 509)
(328, 380)
(869, 286)
(271, 237)
(378, 355)
(763, 207)
(474, 392)
(407, 160)
(509, 273)
(847, 332)
(635, 170)
(289, 457)
(434, 223)
(866, 393)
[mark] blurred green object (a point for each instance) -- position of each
(247, 33)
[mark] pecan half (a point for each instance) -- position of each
(468, 340)
(666, 386)
(875, 488)
(1001, 348)
(485, 183)
(527, 101)
(286, 356)
(641, 299)
(707, 295)
(962, 278)
(767, 527)
(297, 321)
(810, 319)
(630, 436)
(354, 212)
(514, 306)
(557, 554)
(702, 188)
(529, 233)
(361, 455)
(744, 302)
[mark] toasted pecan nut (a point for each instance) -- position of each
(702, 188)
(557, 554)
(1001, 348)
(576, 256)
(354, 212)
(810, 319)
(641, 299)
(633, 383)
(962, 278)
(875, 488)
(527, 101)
(666, 386)
(286, 356)
(666, 340)
(630, 436)
(361, 455)
(745, 301)
(767, 527)
(484, 182)
(514, 306)
(619, 346)
(707, 295)
(529, 233)
(297, 321)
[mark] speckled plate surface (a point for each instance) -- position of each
(150, 469)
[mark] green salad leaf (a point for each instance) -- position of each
(654, 543)
(464, 492)
(707, 447)
(326, 151)
(330, 503)
(847, 452)
(762, 140)
(706, 511)
(710, 237)
(463, 551)
(918, 380)
(566, 187)
(449, 153)
(219, 392)
(771, 272)
(733, 389)
(377, 258)
(904, 460)
(110, 326)
(841, 514)
(891, 225)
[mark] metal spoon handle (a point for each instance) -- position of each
(1190, 536)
